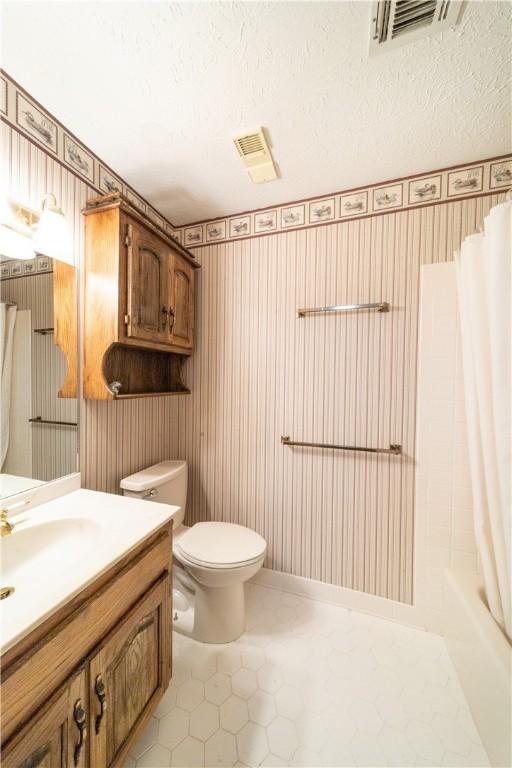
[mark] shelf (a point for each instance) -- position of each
(142, 373)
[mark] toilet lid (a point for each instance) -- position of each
(221, 544)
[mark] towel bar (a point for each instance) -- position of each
(394, 449)
(381, 306)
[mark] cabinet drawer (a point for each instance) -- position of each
(32, 678)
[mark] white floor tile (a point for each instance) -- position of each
(156, 757)
(218, 688)
(252, 744)
(262, 708)
(148, 739)
(173, 728)
(204, 721)
(220, 749)
(311, 684)
(188, 754)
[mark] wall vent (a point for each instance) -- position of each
(256, 155)
(398, 22)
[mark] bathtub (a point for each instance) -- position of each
(482, 657)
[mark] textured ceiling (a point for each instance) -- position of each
(159, 89)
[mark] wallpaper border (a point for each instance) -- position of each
(26, 115)
(458, 182)
(477, 179)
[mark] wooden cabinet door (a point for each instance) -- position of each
(56, 736)
(181, 299)
(146, 285)
(128, 674)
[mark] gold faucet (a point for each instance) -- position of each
(5, 526)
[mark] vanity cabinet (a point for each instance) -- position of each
(57, 736)
(78, 690)
(128, 674)
(139, 304)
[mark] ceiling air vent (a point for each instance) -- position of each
(256, 155)
(398, 22)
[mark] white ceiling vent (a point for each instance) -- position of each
(256, 155)
(397, 22)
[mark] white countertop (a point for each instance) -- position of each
(59, 548)
(11, 484)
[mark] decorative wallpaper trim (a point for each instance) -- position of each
(27, 116)
(477, 179)
(25, 267)
(484, 177)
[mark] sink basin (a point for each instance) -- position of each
(45, 549)
(60, 547)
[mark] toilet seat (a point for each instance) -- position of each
(220, 545)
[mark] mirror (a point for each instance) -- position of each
(38, 372)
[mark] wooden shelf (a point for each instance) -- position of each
(142, 372)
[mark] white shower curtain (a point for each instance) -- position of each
(484, 290)
(7, 321)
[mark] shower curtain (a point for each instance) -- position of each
(7, 321)
(484, 290)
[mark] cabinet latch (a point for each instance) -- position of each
(127, 240)
(127, 319)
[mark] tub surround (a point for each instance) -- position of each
(482, 656)
(449, 594)
(86, 651)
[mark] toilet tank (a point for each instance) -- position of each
(165, 482)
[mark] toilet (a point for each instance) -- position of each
(211, 560)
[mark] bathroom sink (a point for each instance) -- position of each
(45, 549)
(58, 548)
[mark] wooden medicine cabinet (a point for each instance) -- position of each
(139, 304)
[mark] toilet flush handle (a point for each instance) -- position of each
(151, 494)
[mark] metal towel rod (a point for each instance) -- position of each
(394, 449)
(40, 420)
(381, 306)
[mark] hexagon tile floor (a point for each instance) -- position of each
(311, 684)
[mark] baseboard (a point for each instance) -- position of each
(392, 610)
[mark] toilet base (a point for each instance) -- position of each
(182, 612)
(219, 614)
(209, 614)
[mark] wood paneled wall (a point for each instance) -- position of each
(259, 372)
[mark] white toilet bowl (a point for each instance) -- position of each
(219, 558)
(211, 560)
